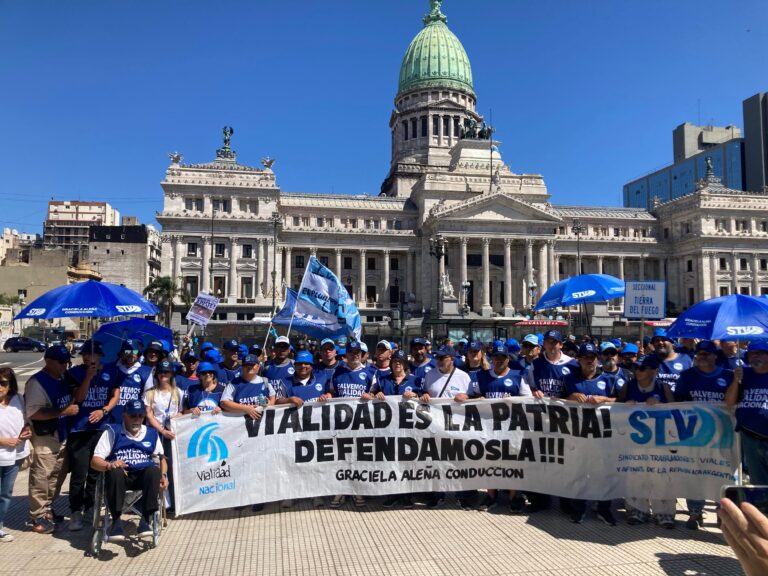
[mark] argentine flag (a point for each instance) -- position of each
(322, 308)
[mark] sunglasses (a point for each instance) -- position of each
(135, 415)
(5, 382)
(610, 353)
(131, 352)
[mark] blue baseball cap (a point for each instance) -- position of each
(213, 356)
(531, 339)
(255, 349)
(129, 346)
(91, 347)
(418, 341)
(354, 345)
(444, 351)
(251, 360)
(400, 356)
(58, 352)
(587, 349)
(650, 361)
(340, 351)
(497, 343)
(660, 333)
(164, 366)
(155, 346)
(512, 345)
(608, 346)
(500, 351)
(206, 367)
(706, 346)
(304, 357)
(630, 349)
(242, 350)
(364, 347)
(325, 341)
(190, 357)
(554, 335)
(207, 346)
(230, 344)
(475, 345)
(134, 407)
(756, 345)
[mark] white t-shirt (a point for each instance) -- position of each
(104, 447)
(164, 403)
(11, 423)
(434, 381)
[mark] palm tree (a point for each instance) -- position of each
(163, 290)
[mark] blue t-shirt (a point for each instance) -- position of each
(131, 387)
(670, 370)
(251, 393)
(697, 386)
(315, 387)
(549, 378)
(420, 371)
(349, 383)
(600, 385)
(390, 387)
(490, 385)
(327, 370)
(184, 382)
(196, 397)
(227, 375)
(752, 409)
(99, 391)
(522, 365)
(634, 393)
(619, 378)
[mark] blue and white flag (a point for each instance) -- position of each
(322, 308)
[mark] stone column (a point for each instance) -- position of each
(528, 270)
(600, 265)
(486, 309)
(177, 255)
(755, 271)
(288, 277)
(232, 289)
(641, 265)
(206, 269)
(385, 285)
(338, 263)
(542, 281)
(361, 289)
(713, 274)
(279, 275)
(621, 277)
(552, 276)
(734, 273)
(509, 309)
(261, 284)
(463, 268)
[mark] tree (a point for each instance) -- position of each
(6, 300)
(163, 291)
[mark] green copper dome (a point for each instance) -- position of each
(435, 58)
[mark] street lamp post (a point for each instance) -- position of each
(437, 249)
(275, 220)
(532, 291)
(578, 229)
(465, 288)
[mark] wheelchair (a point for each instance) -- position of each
(102, 519)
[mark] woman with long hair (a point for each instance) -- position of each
(14, 447)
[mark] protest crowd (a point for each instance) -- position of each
(86, 418)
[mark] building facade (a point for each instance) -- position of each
(66, 224)
(455, 238)
(127, 255)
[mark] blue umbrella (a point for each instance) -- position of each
(91, 298)
(112, 335)
(734, 317)
(581, 289)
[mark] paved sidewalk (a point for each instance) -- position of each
(377, 542)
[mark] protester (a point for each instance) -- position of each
(749, 395)
(97, 393)
(328, 361)
(188, 374)
(588, 385)
(229, 369)
(205, 396)
(529, 351)
(380, 366)
(49, 402)
(280, 366)
(14, 445)
(153, 353)
(164, 402)
(131, 376)
(611, 370)
(421, 363)
(126, 455)
(671, 363)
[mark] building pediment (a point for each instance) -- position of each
(495, 207)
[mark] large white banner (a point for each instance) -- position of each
(372, 448)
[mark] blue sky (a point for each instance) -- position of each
(586, 93)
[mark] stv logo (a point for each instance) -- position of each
(128, 309)
(36, 312)
(743, 330)
(583, 294)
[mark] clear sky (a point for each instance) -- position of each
(96, 94)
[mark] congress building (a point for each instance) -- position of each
(456, 241)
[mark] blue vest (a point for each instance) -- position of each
(697, 386)
(183, 382)
(618, 379)
(315, 387)
(389, 387)
(136, 454)
(635, 394)
(98, 395)
(752, 409)
(275, 374)
(131, 388)
(600, 385)
(327, 370)
(198, 398)
(60, 396)
(420, 371)
(250, 393)
(549, 378)
(670, 370)
(490, 385)
(227, 375)
(351, 383)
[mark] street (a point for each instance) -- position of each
(24, 364)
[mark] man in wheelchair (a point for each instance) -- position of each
(128, 455)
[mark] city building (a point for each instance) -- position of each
(457, 242)
(16, 245)
(756, 140)
(67, 222)
(127, 255)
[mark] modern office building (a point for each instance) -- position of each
(756, 141)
